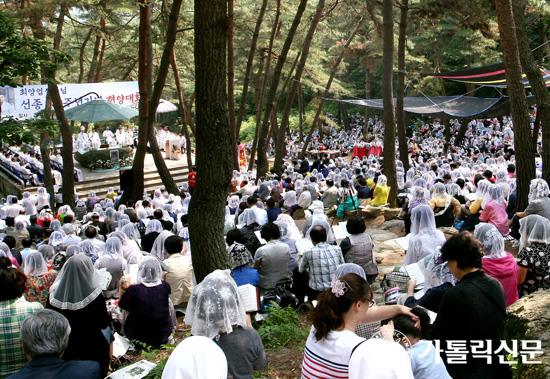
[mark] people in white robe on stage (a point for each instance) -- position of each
(109, 137)
(95, 141)
(83, 140)
(120, 136)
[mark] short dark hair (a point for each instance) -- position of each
(235, 235)
(511, 168)
(313, 179)
(47, 222)
(27, 242)
(290, 187)
(33, 219)
(184, 219)
(145, 203)
(356, 225)
(173, 245)
(130, 203)
(158, 214)
(330, 182)
(362, 182)
(167, 225)
(68, 219)
(90, 232)
(10, 221)
(463, 248)
(252, 200)
(270, 231)
(318, 234)
(12, 281)
(488, 174)
(447, 176)
(48, 232)
(460, 182)
(10, 241)
(270, 202)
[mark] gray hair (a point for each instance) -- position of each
(45, 334)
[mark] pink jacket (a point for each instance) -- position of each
(505, 270)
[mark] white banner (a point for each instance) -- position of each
(23, 102)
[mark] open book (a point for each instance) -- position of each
(415, 273)
(250, 297)
(134, 371)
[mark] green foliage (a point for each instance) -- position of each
(248, 128)
(156, 373)
(280, 327)
(15, 132)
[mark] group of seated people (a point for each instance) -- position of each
(25, 162)
(108, 267)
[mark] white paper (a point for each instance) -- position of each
(104, 278)
(419, 294)
(303, 245)
(249, 297)
(415, 274)
(133, 272)
(120, 345)
(339, 233)
(259, 237)
(137, 370)
(295, 233)
(403, 242)
(432, 315)
(471, 196)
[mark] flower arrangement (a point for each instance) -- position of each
(176, 149)
(102, 165)
(126, 162)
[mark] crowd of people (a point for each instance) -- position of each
(72, 278)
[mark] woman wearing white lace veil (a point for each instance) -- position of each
(73, 250)
(55, 225)
(158, 249)
(215, 310)
(113, 261)
(148, 305)
(77, 296)
(503, 181)
(381, 191)
(39, 278)
(42, 198)
(192, 359)
(445, 206)
(152, 231)
(494, 211)
(424, 237)
(534, 254)
(496, 262)
(29, 203)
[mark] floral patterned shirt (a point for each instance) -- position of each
(536, 258)
(38, 287)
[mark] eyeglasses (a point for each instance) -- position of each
(371, 303)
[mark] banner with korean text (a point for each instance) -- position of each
(23, 102)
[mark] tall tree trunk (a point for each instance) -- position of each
(367, 97)
(300, 112)
(399, 111)
(99, 66)
(387, 96)
(274, 124)
(64, 126)
(345, 117)
(262, 166)
(518, 101)
(82, 51)
(258, 100)
(183, 111)
(139, 157)
(327, 89)
(48, 179)
(461, 131)
(231, 83)
(93, 64)
(538, 85)
(249, 62)
(164, 173)
(536, 130)
(214, 166)
(280, 146)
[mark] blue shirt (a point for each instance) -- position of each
(246, 275)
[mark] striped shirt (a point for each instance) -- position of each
(329, 357)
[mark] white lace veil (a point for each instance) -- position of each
(491, 240)
(538, 189)
(153, 226)
(534, 228)
(149, 272)
(193, 358)
(56, 238)
(35, 264)
(325, 225)
(496, 194)
(158, 249)
(73, 250)
(424, 237)
(131, 232)
(77, 284)
(215, 306)
(113, 248)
